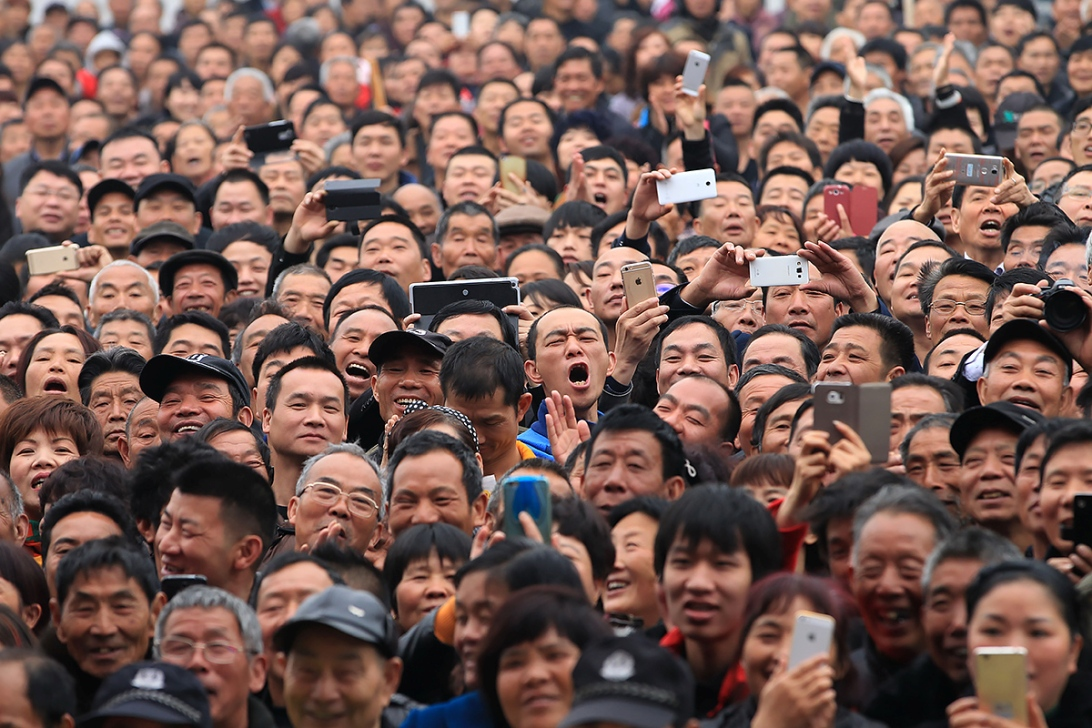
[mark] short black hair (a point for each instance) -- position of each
(602, 151)
(555, 259)
(418, 236)
(784, 105)
(221, 425)
(724, 336)
(765, 370)
(248, 231)
(791, 137)
(892, 48)
(686, 246)
(480, 366)
(198, 318)
(1062, 233)
(439, 77)
(782, 396)
(133, 132)
(53, 167)
(785, 171)
(44, 315)
(89, 501)
(468, 119)
(426, 441)
(579, 53)
(247, 505)
(841, 500)
(313, 363)
(239, 175)
(84, 474)
(650, 506)
(545, 108)
(972, 4)
(635, 417)
(285, 338)
(896, 338)
(396, 298)
(581, 520)
(808, 349)
(957, 266)
(108, 553)
(417, 544)
(150, 490)
(466, 207)
(575, 213)
(50, 690)
(1003, 284)
(56, 288)
(379, 118)
(1037, 213)
(949, 392)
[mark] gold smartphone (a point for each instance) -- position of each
(513, 165)
(638, 282)
(1001, 682)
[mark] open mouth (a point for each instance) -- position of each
(358, 371)
(187, 428)
(993, 495)
(893, 618)
(616, 585)
(55, 385)
(38, 480)
(991, 227)
(599, 198)
(578, 374)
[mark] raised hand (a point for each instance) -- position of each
(562, 426)
(939, 184)
(841, 278)
(690, 112)
(235, 154)
(724, 277)
(1014, 188)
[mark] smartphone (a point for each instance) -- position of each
(527, 494)
(1001, 682)
(864, 209)
(172, 585)
(428, 298)
(512, 165)
(276, 136)
(638, 281)
(460, 24)
(979, 170)
(833, 196)
(352, 200)
(779, 270)
(811, 635)
(864, 407)
(44, 261)
(694, 72)
(1081, 530)
(698, 184)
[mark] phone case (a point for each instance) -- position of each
(779, 270)
(1081, 530)
(833, 196)
(1001, 682)
(697, 63)
(460, 24)
(698, 184)
(638, 282)
(512, 165)
(864, 407)
(352, 200)
(811, 635)
(428, 298)
(979, 170)
(44, 261)
(531, 494)
(864, 209)
(276, 136)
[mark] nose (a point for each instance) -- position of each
(102, 624)
(889, 582)
(425, 513)
(672, 418)
(117, 410)
(958, 626)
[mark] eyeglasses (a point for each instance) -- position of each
(1076, 193)
(327, 495)
(181, 650)
(737, 306)
(946, 307)
(1082, 127)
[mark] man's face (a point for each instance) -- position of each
(213, 63)
(1024, 246)
(885, 125)
(1080, 140)
(987, 479)
(908, 406)
(411, 375)
(252, 339)
(287, 186)
(352, 340)
(355, 296)
(527, 130)
(571, 357)
(1049, 173)
(251, 262)
(117, 93)
(18, 710)
(1036, 138)
(696, 409)
(891, 554)
(190, 339)
(953, 290)
(751, 397)
(776, 348)
(623, 465)
(391, 248)
(348, 519)
(812, 313)
(978, 221)
(944, 616)
(238, 201)
(737, 104)
(192, 538)
(270, 367)
(495, 96)
(199, 287)
(229, 684)
(784, 72)
(607, 294)
(16, 331)
(785, 190)
(47, 115)
(469, 241)
(49, 204)
(190, 403)
(577, 86)
(853, 355)
(106, 621)
(734, 208)
(113, 222)
(309, 414)
(248, 103)
(429, 489)
(378, 153)
(1067, 261)
(468, 176)
(573, 244)
(303, 295)
(932, 463)
(279, 596)
(693, 349)
(495, 421)
(70, 532)
(606, 183)
(703, 591)
(167, 205)
(113, 396)
(1028, 374)
(822, 129)
(1065, 475)
(892, 244)
(1076, 197)
(332, 680)
(465, 326)
(130, 160)
(769, 124)
(905, 305)
(449, 135)
(421, 204)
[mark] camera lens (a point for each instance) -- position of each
(1064, 310)
(466, 292)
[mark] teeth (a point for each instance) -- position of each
(357, 370)
(615, 585)
(188, 428)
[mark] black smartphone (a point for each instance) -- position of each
(172, 585)
(276, 136)
(352, 200)
(1081, 530)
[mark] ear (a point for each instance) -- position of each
(31, 614)
(258, 669)
(147, 530)
(248, 551)
(1074, 652)
(375, 378)
(733, 376)
(392, 675)
(293, 509)
(198, 220)
(67, 721)
(267, 419)
(895, 372)
(426, 271)
(246, 416)
(55, 616)
(523, 406)
(928, 328)
(156, 607)
(955, 221)
(696, 225)
(281, 661)
(529, 368)
(588, 302)
(661, 596)
(675, 486)
(22, 529)
(228, 298)
(611, 362)
(982, 387)
(164, 166)
(840, 309)
(478, 508)
(1067, 398)
(436, 257)
(269, 216)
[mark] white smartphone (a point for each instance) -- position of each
(694, 72)
(811, 636)
(460, 24)
(1001, 682)
(698, 184)
(44, 261)
(779, 270)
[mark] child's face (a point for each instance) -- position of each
(703, 591)
(426, 584)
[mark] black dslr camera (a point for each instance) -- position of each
(1063, 308)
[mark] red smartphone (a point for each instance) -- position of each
(833, 196)
(863, 211)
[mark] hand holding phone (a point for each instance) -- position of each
(512, 165)
(638, 282)
(54, 259)
(977, 170)
(527, 494)
(811, 635)
(698, 184)
(697, 63)
(1001, 682)
(779, 270)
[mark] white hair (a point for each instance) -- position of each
(207, 598)
(95, 282)
(832, 37)
(904, 105)
(324, 71)
(267, 85)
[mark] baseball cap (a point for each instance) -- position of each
(104, 188)
(162, 230)
(997, 415)
(352, 612)
(826, 67)
(389, 345)
(165, 180)
(633, 681)
(178, 261)
(522, 219)
(1025, 330)
(1008, 115)
(163, 369)
(154, 691)
(39, 83)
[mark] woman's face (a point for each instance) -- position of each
(661, 94)
(535, 682)
(426, 584)
(778, 235)
(1025, 614)
(631, 585)
(193, 154)
(284, 59)
(54, 367)
(184, 102)
(33, 459)
(766, 646)
(650, 49)
(912, 164)
(572, 141)
(323, 124)
(907, 196)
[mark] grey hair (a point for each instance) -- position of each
(324, 71)
(971, 544)
(349, 448)
(335, 142)
(904, 105)
(828, 42)
(14, 502)
(129, 418)
(96, 281)
(300, 269)
(267, 85)
(943, 420)
(211, 597)
(909, 499)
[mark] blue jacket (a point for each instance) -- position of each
(466, 710)
(536, 438)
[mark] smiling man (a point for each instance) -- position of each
(121, 284)
(193, 392)
(113, 216)
(198, 280)
(1028, 366)
(866, 347)
(391, 245)
(338, 500)
(407, 368)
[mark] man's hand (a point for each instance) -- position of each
(690, 112)
(635, 330)
(850, 454)
(939, 184)
(807, 477)
(646, 205)
(91, 260)
(526, 318)
(724, 277)
(857, 72)
(944, 59)
(1079, 340)
(577, 189)
(527, 195)
(563, 428)
(309, 223)
(310, 155)
(841, 278)
(1023, 302)
(235, 154)
(1014, 188)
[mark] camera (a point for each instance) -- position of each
(1063, 308)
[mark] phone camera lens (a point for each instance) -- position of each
(466, 292)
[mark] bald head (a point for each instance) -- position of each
(422, 204)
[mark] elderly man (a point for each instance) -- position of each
(249, 97)
(338, 499)
(193, 392)
(122, 284)
(198, 280)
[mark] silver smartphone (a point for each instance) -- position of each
(779, 270)
(979, 170)
(812, 634)
(697, 63)
(460, 24)
(44, 261)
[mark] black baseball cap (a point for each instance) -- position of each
(163, 369)
(391, 344)
(1026, 330)
(153, 691)
(633, 681)
(106, 187)
(178, 261)
(165, 180)
(352, 612)
(166, 230)
(40, 83)
(993, 416)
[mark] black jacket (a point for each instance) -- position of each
(740, 715)
(917, 694)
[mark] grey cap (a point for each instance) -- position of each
(352, 612)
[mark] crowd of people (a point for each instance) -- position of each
(243, 484)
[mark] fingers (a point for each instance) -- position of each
(529, 527)
(237, 137)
